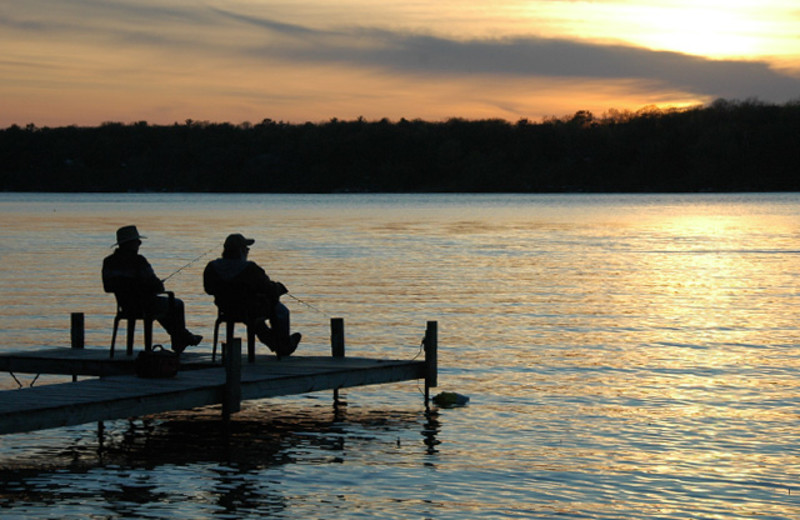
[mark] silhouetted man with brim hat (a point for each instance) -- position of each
(130, 277)
(242, 288)
(128, 234)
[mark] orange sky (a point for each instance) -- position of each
(86, 62)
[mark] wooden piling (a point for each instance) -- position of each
(77, 330)
(232, 393)
(337, 337)
(337, 348)
(431, 358)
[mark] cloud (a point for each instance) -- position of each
(520, 57)
(537, 57)
(271, 25)
(85, 61)
(207, 30)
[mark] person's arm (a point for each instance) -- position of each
(263, 284)
(130, 277)
(110, 280)
(147, 278)
(210, 280)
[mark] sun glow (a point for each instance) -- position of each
(244, 60)
(710, 28)
(700, 28)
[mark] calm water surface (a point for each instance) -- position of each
(625, 356)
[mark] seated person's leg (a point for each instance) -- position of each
(280, 321)
(276, 335)
(281, 326)
(264, 334)
(171, 316)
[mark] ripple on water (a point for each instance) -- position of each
(625, 357)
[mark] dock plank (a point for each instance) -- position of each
(122, 396)
(116, 393)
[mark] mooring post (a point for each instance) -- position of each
(431, 362)
(232, 393)
(337, 348)
(76, 329)
(101, 434)
(76, 333)
(337, 337)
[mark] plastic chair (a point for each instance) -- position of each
(231, 319)
(130, 312)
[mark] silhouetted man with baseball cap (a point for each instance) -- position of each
(240, 287)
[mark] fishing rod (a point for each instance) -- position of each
(189, 264)
(195, 260)
(292, 296)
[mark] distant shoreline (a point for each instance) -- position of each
(729, 146)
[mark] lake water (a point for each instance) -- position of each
(626, 356)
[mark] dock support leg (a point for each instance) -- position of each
(101, 434)
(431, 362)
(337, 337)
(76, 329)
(76, 333)
(232, 395)
(337, 348)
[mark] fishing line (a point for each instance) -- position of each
(421, 349)
(190, 263)
(212, 249)
(295, 298)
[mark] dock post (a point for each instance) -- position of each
(232, 393)
(101, 434)
(337, 337)
(337, 348)
(76, 332)
(431, 355)
(76, 329)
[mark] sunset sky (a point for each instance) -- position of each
(86, 62)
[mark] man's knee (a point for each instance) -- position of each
(281, 312)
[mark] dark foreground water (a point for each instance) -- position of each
(625, 356)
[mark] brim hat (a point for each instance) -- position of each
(128, 234)
(237, 241)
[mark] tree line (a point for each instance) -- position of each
(725, 146)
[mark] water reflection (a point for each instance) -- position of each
(431, 431)
(626, 356)
(203, 462)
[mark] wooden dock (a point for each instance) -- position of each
(116, 393)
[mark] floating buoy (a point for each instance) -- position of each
(450, 399)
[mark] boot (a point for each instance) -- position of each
(185, 339)
(290, 346)
(266, 336)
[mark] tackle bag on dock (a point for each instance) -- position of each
(157, 362)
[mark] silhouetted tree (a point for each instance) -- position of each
(726, 146)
